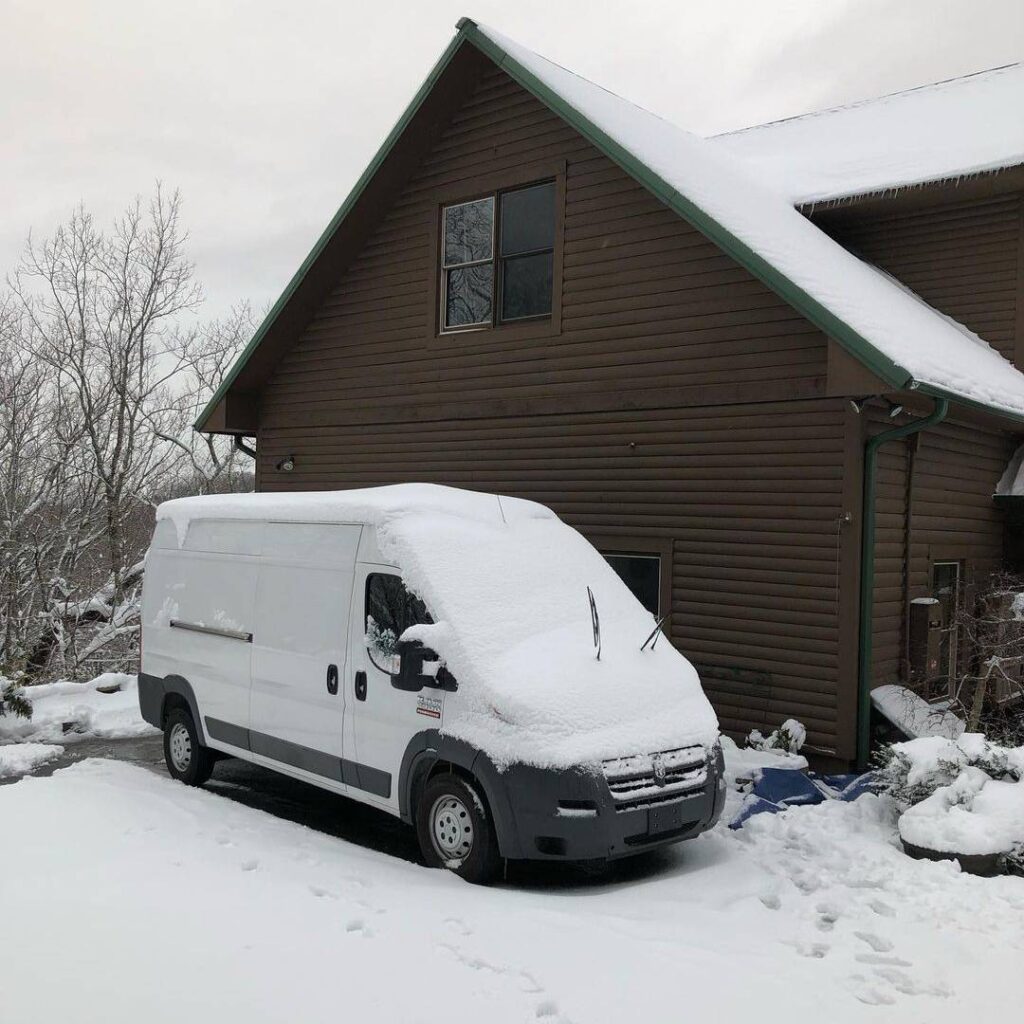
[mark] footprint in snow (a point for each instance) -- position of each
(906, 985)
(827, 916)
(878, 958)
(868, 993)
(358, 927)
(882, 909)
(458, 925)
(547, 1009)
(250, 865)
(813, 950)
(771, 900)
(876, 942)
(322, 893)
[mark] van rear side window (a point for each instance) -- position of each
(390, 611)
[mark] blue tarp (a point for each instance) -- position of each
(778, 788)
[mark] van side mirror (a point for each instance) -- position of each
(411, 677)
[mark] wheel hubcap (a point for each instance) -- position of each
(451, 828)
(180, 745)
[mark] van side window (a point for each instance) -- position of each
(390, 611)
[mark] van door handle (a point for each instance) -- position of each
(332, 679)
(360, 685)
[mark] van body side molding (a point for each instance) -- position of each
(338, 769)
(228, 634)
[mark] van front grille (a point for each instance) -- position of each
(646, 780)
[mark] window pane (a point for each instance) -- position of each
(390, 611)
(528, 219)
(642, 574)
(468, 232)
(468, 296)
(526, 286)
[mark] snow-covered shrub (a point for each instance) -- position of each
(958, 797)
(12, 699)
(912, 771)
(789, 738)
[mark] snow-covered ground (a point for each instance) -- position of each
(18, 758)
(129, 897)
(66, 711)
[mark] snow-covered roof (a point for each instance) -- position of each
(506, 583)
(894, 332)
(937, 132)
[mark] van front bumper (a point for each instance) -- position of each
(585, 815)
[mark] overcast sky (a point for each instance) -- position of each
(264, 113)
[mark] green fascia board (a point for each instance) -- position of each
(329, 232)
(890, 372)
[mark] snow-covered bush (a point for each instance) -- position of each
(789, 738)
(958, 797)
(912, 771)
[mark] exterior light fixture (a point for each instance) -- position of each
(857, 404)
(287, 464)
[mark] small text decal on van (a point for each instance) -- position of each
(429, 706)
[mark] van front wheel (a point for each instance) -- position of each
(187, 759)
(455, 829)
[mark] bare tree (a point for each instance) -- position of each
(100, 308)
(103, 370)
(202, 355)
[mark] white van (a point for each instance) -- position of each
(464, 661)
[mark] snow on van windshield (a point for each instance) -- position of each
(506, 584)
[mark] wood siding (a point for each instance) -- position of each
(747, 499)
(953, 518)
(645, 299)
(961, 256)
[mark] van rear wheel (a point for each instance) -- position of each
(187, 759)
(455, 829)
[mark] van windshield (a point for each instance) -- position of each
(390, 609)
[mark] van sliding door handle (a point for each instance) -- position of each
(360, 685)
(332, 679)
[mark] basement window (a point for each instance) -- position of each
(497, 258)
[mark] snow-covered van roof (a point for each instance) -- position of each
(902, 340)
(506, 583)
(937, 132)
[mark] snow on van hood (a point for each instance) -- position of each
(506, 582)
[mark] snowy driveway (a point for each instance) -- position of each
(127, 897)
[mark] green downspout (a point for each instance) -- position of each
(867, 569)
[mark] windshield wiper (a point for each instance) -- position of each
(655, 634)
(595, 622)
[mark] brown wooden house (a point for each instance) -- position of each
(538, 289)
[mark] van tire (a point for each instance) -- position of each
(186, 758)
(449, 808)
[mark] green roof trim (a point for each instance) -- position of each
(890, 372)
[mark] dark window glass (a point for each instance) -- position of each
(468, 295)
(528, 220)
(642, 574)
(526, 286)
(468, 232)
(524, 258)
(390, 611)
